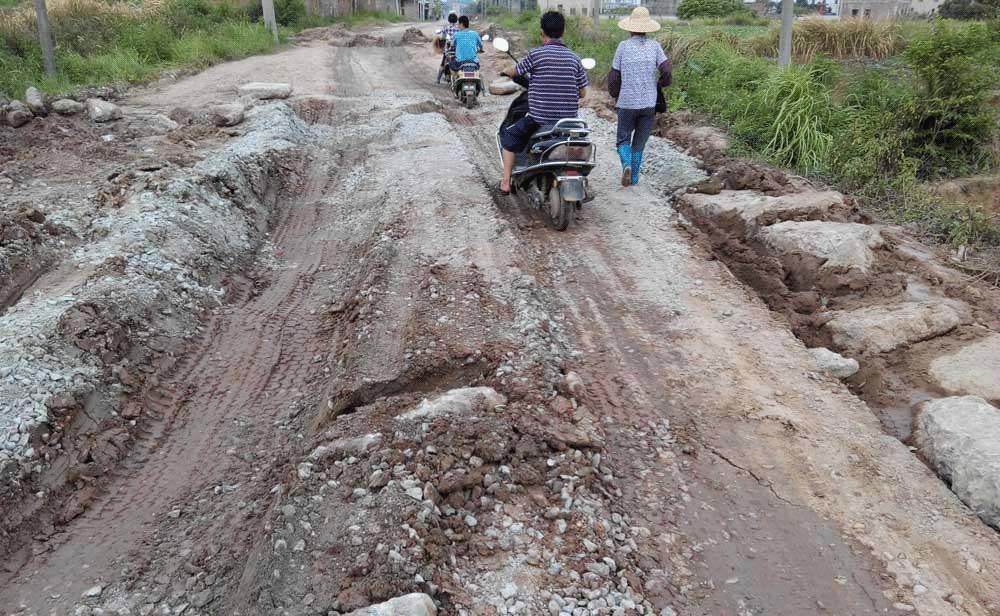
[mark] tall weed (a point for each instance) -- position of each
(845, 39)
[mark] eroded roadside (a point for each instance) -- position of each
(416, 387)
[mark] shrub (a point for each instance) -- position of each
(969, 9)
(952, 120)
(691, 9)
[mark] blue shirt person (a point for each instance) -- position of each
(467, 43)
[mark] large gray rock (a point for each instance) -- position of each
(836, 246)
(973, 370)
(503, 87)
(103, 111)
(960, 438)
(146, 124)
(68, 106)
(880, 329)
(35, 102)
(265, 91)
(456, 402)
(346, 447)
(834, 364)
(413, 604)
(746, 210)
(226, 115)
(18, 114)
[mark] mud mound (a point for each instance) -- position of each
(349, 39)
(320, 34)
(414, 35)
(26, 250)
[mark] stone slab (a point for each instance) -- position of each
(838, 246)
(751, 210)
(960, 438)
(973, 370)
(881, 329)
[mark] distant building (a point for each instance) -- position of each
(512, 6)
(583, 8)
(874, 9)
(925, 7)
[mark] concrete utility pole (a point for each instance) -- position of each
(787, 19)
(45, 38)
(595, 8)
(269, 19)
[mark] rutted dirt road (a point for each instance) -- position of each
(629, 429)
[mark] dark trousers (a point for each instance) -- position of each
(635, 126)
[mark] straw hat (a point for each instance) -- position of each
(639, 21)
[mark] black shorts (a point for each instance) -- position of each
(515, 137)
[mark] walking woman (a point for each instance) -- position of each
(639, 70)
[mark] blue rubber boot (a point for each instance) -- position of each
(636, 164)
(625, 154)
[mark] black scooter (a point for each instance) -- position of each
(552, 172)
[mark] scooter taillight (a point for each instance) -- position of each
(570, 173)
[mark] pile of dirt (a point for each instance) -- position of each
(350, 39)
(414, 36)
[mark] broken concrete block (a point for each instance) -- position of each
(833, 247)
(973, 370)
(960, 438)
(744, 211)
(413, 604)
(880, 329)
(103, 111)
(226, 115)
(265, 91)
(456, 402)
(146, 124)
(67, 106)
(834, 364)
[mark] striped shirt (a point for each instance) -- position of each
(637, 58)
(555, 82)
(449, 31)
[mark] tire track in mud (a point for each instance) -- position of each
(254, 358)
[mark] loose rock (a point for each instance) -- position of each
(880, 329)
(834, 364)
(18, 114)
(68, 106)
(35, 102)
(265, 91)
(226, 115)
(414, 604)
(102, 111)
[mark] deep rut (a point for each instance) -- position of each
(253, 362)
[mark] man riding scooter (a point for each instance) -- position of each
(558, 82)
(444, 39)
(467, 45)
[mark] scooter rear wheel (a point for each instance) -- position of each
(559, 210)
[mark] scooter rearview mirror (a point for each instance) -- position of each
(501, 45)
(588, 63)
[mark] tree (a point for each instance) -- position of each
(691, 9)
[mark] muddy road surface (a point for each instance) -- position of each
(357, 372)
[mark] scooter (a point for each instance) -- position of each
(552, 172)
(466, 82)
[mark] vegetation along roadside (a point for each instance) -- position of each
(100, 42)
(883, 110)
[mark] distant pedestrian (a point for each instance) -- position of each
(639, 70)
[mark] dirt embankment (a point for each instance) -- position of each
(870, 292)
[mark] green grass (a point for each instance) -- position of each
(99, 43)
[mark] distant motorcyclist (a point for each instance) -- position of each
(467, 45)
(445, 40)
